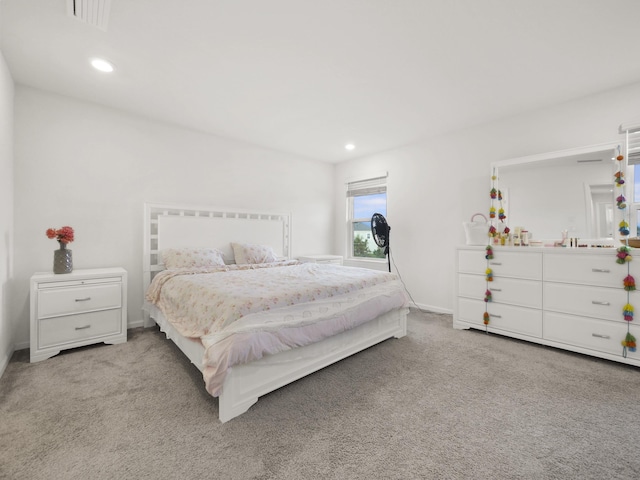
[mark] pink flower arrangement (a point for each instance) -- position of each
(63, 235)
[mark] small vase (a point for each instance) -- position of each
(62, 260)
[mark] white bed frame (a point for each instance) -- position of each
(171, 226)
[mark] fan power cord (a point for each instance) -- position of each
(404, 285)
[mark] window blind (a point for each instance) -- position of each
(370, 186)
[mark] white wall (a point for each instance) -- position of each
(92, 168)
(7, 326)
(436, 184)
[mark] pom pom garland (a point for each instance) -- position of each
(623, 255)
(487, 296)
(493, 193)
(489, 254)
(492, 212)
(619, 179)
(489, 273)
(627, 312)
(485, 318)
(501, 214)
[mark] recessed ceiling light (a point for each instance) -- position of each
(349, 146)
(102, 65)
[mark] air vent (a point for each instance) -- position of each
(92, 12)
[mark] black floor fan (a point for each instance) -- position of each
(380, 230)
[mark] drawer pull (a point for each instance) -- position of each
(496, 289)
(601, 270)
(596, 302)
(83, 328)
(495, 263)
(598, 335)
(86, 299)
(495, 316)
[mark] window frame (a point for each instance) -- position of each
(375, 184)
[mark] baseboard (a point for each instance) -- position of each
(5, 361)
(431, 308)
(135, 323)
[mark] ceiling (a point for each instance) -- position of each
(309, 76)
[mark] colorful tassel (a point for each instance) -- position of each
(492, 231)
(489, 254)
(493, 193)
(485, 318)
(499, 195)
(624, 228)
(629, 283)
(627, 312)
(487, 296)
(620, 202)
(492, 212)
(619, 179)
(501, 214)
(623, 255)
(489, 273)
(629, 342)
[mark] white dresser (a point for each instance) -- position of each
(76, 309)
(570, 298)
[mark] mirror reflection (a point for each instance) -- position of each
(571, 190)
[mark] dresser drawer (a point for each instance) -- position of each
(86, 298)
(526, 265)
(587, 301)
(503, 318)
(525, 293)
(73, 328)
(601, 270)
(591, 333)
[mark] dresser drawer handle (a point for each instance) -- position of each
(607, 337)
(496, 289)
(495, 263)
(86, 299)
(601, 270)
(495, 316)
(83, 328)
(596, 302)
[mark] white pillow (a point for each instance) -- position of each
(191, 257)
(251, 253)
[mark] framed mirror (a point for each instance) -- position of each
(570, 190)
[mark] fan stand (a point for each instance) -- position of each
(387, 249)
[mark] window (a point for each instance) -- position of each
(364, 198)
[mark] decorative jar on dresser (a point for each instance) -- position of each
(569, 298)
(76, 309)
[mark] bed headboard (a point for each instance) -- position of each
(175, 226)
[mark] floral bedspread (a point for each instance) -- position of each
(198, 302)
(241, 313)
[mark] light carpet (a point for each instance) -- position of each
(439, 403)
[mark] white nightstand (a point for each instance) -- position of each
(78, 308)
(335, 259)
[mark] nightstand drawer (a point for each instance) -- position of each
(73, 328)
(63, 301)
